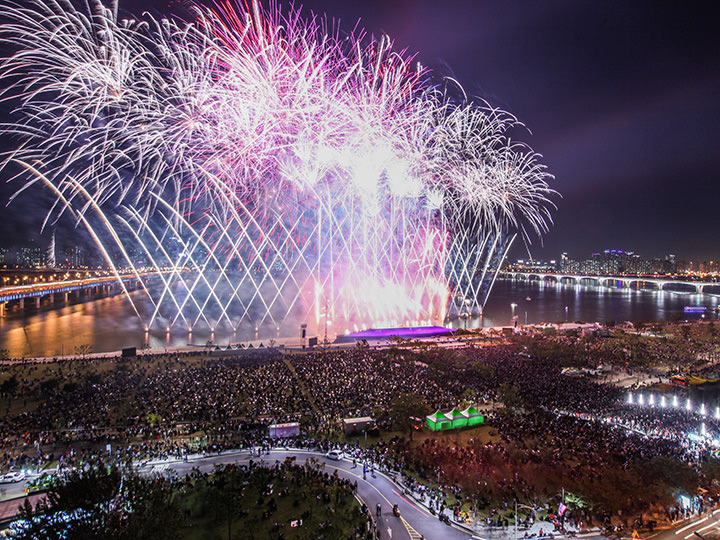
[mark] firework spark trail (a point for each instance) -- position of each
(293, 165)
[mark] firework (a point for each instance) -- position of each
(274, 169)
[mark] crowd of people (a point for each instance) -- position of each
(550, 429)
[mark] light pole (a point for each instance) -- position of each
(466, 310)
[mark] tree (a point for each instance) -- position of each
(226, 492)
(404, 407)
(510, 397)
(712, 331)
(102, 502)
(70, 387)
(76, 505)
(664, 477)
(9, 386)
(685, 332)
(152, 509)
(48, 386)
(638, 325)
(711, 472)
(83, 350)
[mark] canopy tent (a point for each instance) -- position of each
(454, 419)
(474, 416)
(438, 421)
(459, 420)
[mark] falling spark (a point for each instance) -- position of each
(266, 169)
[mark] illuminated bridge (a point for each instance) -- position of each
(105, 284)
(636, 282)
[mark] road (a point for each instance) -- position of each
(414, 523)
(707, 527)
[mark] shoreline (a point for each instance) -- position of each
(489, 332)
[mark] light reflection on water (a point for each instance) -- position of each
(109, 324)
(537, 302)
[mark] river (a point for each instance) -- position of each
(109, 324)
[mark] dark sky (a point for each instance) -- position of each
(621, 98)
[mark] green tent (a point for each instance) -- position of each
(438, 421)
(459, 420)
(474, 416)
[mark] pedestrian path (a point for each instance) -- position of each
(301, 383)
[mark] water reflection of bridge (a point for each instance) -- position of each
(636, 282)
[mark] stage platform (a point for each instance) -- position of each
(384, 334)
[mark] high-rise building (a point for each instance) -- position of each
(32, 257)
(8, 256)
(74, 257)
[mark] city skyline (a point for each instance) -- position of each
(618, 98)
(36, 254)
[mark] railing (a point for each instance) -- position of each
(612, 280)
(34, 290)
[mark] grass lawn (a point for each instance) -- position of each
(264, 503)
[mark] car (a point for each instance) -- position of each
(337, 455)
(12, 478)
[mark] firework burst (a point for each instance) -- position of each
(275, 170)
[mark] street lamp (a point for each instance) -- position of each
(466, 310)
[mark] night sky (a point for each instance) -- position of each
(621, 98)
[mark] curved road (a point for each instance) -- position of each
(706, 527)
(414, 523)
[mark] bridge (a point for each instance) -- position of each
(105, 285)
(629, 281)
